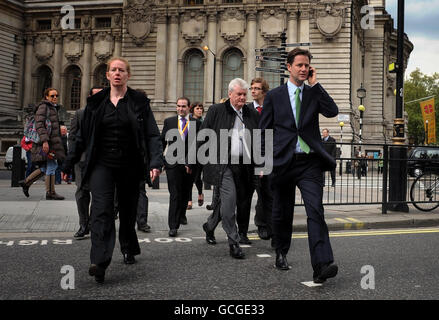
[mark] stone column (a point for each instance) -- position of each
(27, 90)
(160, 65)
(172, 70)
(57, 64)
(292, 25)
(305, 12)
(211, 40)
(251, 57)
(85, 82)
(118, 45)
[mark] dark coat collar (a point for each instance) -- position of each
(139, 99)
(245, 109)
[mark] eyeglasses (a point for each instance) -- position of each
(255, 88)
(53, 96)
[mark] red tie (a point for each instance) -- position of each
(259, 108)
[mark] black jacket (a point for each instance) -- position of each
(222, 116)
(277, 114)
(330, 146)
(172, 123)
(143, 124)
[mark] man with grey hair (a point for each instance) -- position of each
(232, 175)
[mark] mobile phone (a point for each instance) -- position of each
(310, 73)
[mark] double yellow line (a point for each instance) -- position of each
(366, 233)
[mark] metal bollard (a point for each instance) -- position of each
(18, 166)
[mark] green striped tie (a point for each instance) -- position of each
(303, 145)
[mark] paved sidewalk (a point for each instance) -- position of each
(19, 214)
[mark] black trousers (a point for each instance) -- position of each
(142, 206)
(307, 176)
(180, 190)
(264, 205)
(103, 182)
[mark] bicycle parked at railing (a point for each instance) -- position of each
(424, 191)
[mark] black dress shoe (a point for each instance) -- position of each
(82, 232)
(236, 251)
(97, 272)
(145, 228)
(326, 271)
(173, 232)
(128, 258)
(263, 233)
(209, 207)
(183, 220)
(210, 238)
(244, 239)
(281, 262)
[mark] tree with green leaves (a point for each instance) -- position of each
(419, 86)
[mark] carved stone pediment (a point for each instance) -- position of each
(330, 18)
(272, 24)
(73, 48)
(193, 27)
(232, 25)
(103, 46)
(44, 47)
(139, 15)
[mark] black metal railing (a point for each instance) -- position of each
(364, 180)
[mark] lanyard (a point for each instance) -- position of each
(184, 129)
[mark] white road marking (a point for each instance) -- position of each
(311, 284)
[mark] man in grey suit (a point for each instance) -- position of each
(232, 175)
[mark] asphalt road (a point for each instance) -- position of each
(381, 264)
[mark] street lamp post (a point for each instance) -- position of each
(361, 94)
(398, 152)
(206, 48)
(341, 124)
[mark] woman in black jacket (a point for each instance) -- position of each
(122, 143)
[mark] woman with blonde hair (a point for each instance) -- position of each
(122, 142)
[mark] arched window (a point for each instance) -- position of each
(100, 77)
(233, 67)
(73, 88)
(193, 85)
(273, 79)
(44, 81)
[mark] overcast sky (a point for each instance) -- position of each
(421, 24)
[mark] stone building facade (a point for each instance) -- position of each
(65, 44)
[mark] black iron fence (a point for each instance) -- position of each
(367, 177)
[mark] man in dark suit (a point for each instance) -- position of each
(259, 88)
(232, 170)
(299, 159)
(82, 195)
(180, 179)
(330, 147)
